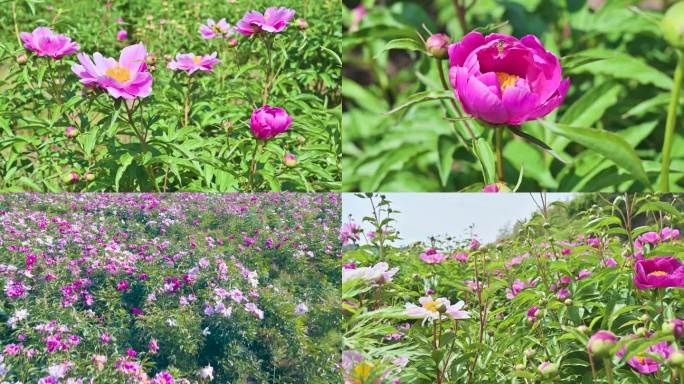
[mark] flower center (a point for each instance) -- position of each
(640, 359)
(431, 306)
(658, 273)
(216, 29)
(506, 80)
(361, 372)
(120, 74)
(196, 59)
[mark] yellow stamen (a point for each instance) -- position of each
(216, 29)
(362, 372)
(120, 74)
(431, 306)
(196, 59)
(640, 359)
(658, 273)
(506, 80)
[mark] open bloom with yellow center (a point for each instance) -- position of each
(430, 309)
(190, 63)
(213, 29)
(659, 272)
(503, 80)
(127, 77)
(273, 20)
(357, 370)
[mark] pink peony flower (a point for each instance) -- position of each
(267, 122)
(273, 20)
(432, 256)
(583, 274)
(659, 272)
(503, 80)
(190, 63)
(212, 29)
(122, 35)
(437, 45)
(460, 256)
(532, 313)
(668, 233)
(474, 245)
(127, 78)
(563, 293)
(610, 263)
(44, 42)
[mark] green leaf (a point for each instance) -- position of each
(623, 66)
(484, 153)
(422, 97)
(591, 106)
(124, 161)
(403, 43)
(607, 144)
(446, 147)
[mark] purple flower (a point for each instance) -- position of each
(492, 188)
(659, 272)
(122, 35)
(432, 256)
(273, 20)
(647, 365)
(267, 122)
(532, 313)
(583, 274)
(44, 42)
(610, 263)
(503, 80)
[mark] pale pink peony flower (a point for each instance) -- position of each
(127, 78)
(191, 63)
(273, 20)
(44, 42)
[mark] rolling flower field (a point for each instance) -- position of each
(586, 291)
(167, 96)
(182, 288)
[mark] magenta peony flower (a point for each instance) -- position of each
(532, 313)
(503, 80)
(474, 245)
(491, 188)
(273, 20)
(647, 365)
(668, 233)
(190, 63)
(127, 78)
(267, 122)
(212, 29)
(659, 272)
(583, 274)
(44, 42)
(610, 263)
(122, 35)
(460, 256)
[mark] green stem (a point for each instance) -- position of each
(670, 125)
(187, 102)
(499, 154)
(253, 166)
(609, 370)
(143, 142)
(269, 69)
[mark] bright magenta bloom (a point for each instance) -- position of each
(267, 122)
(432, 256)
(647, 365)
(190, 63)
(659, 272)
(273, 20)
(503, 80)
(127, 78)
(44, 42)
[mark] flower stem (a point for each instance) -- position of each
(609, 370)
(269, 69)
(499, 154)
(670, 125)
(187, 103)
(253, 167)
(143, 142)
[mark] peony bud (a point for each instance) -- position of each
(267, 122)
(548, 369)
(22, 59)
(302, 24)
(437, 45)
(70, 178)
(89, 176)
(601, 343)
(290, 160)
(677, 359)
(672, 25)
(71, 132)
(122, 35)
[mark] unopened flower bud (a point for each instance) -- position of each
(437, 45)
(290, 160)
(582, 328)
(677, 359)
(151, 59)
(71, 132)
(89, 176)
(672, 25)
(302, 24)
(601, 343)
(70, 178)
(22, 59)
(548, 370)
(641, 332)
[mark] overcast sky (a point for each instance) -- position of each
(427, 214)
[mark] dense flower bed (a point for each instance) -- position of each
(168, 288)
